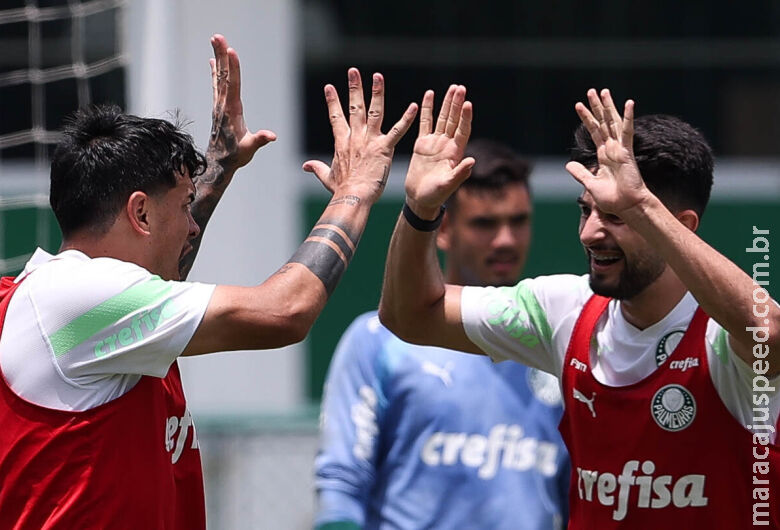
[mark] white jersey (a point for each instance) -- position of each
(81, 332)
(533, 321)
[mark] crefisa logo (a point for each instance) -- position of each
(673, 407)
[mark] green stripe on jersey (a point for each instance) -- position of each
(538, 318)
(721, 346)
(107, 313)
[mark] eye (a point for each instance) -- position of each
(484, 223)
(519, 220)
(614, 219)
(584, 210)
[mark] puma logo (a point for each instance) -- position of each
(442, 372)
(579, 396)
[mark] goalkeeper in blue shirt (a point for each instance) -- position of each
(420, 437)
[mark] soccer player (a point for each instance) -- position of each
(664, 349)
(419, 437)
(95, 428)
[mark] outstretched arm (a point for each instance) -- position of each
(231, 144)
(731, 297)
(282, 309)
(416, 304)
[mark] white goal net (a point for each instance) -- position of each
(58, 55)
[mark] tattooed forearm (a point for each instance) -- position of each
(209, 188)
(327, 252)
(352, 200)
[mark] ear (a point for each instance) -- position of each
(689, 218)
(137, 211)
(443, 236)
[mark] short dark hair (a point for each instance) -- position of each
(105, 155)
(674, 159)
(497, 165)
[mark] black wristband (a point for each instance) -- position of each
(421, 224)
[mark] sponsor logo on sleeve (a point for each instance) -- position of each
(514, 320)
(141, 325)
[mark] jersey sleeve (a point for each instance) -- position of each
(112, 317)
(350, 419)
(741, 387)
(523, 323)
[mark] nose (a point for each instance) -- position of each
(194, 228)
(505, 236)
(591, 229)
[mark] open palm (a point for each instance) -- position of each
(437, 166)
(617, 184)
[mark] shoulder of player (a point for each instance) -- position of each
(87, 282)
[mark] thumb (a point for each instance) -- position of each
(322, 171)
(261, 138)
(579, 172)
(462, 171)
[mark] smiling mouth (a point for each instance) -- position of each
(602, 258)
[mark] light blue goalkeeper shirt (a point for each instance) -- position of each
(420, 437)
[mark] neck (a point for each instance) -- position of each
(655, 302)
(113, 244)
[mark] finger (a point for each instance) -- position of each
(597, 110)
(234, 77)
(580, 173)
(464, 127)
(455, 109)
(590, 122)
(611, 115)
(426, 113)
(444, 113)
(357, 109)
(219, 83)
(398, 130)
(337, 121)
(376, 110)
(322, 171)
(219, 44)
(213, 65)
(627, 138)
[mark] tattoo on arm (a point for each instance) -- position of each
(352, 200)
(209, 188)
(383, 182)
(327, 252)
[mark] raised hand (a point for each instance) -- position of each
(617, 184)
(231, 144)
(437, 166)
(362, 154)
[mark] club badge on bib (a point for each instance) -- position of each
(667, 344)
(673, 407)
